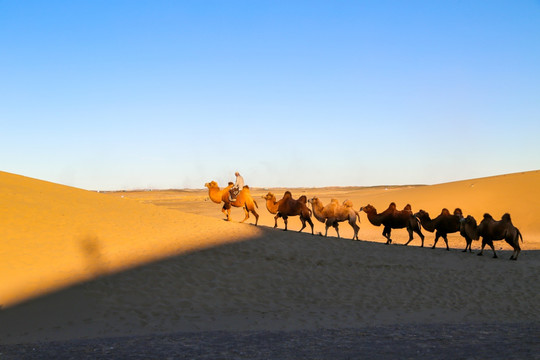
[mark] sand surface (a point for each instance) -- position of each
(81, 264)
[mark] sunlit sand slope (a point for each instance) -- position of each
(54, 235)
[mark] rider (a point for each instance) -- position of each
(238, 185)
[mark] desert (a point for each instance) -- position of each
(83, 265)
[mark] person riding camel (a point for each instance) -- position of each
(238, 185)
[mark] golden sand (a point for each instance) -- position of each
(224, 275)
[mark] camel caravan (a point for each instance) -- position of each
(333, 213)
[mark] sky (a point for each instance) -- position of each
(109, 95)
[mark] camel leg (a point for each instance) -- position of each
(336, 226)
(286, 221)
(275, 221)
(326, 226)
(437, 236)
(246, 215)
(303, 223)
(226, 212)
(311, 224)
(445, 238)
(409, 230)
(515, 244)
(419, 232)
(467, 245)
(482, 249)
(386, 233)
(256, 216)
(490, 243)
(355, 228)
(516, 253)
(493, 248)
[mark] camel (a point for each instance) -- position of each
(491, 230)
(243, 200)
(468, 228)
(334, 213)
(392, 218)
(287, 206)
(443, 224)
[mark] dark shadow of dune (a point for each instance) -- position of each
(285, 281)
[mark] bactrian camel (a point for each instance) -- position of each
(443, 224)
(287, 206)
(491, 230)
(243, 200)
(392, 218)
(334, 213)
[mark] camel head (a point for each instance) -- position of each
(468, 220)
(368, 209)
(421, 214)
(314, 200)
(211, 184)
(269, 196)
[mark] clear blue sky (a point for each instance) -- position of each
(172, 94)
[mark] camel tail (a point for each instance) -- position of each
(519, 234)
(357, 215)
(256, 205)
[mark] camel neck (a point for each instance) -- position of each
(272, 206)
(318, 211)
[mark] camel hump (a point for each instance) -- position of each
(407, 207)
(445, 211)
(230, 183)
(303, 199)
(334, 201)
(287, 194)
(488, 216)
(458, 212)
(392, 205)
(348, 203)
(506, 217)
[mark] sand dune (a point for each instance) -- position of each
(218, 275)
(54, 235)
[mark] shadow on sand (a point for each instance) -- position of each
(284, 281)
